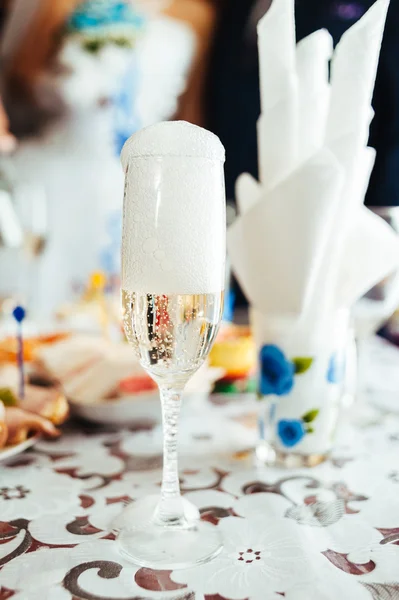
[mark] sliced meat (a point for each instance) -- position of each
(49, 403)
(68, 357)
(136, 385)
(21, 424)
(101, 380)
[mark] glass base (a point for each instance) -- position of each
(267, 455)
(170, 548)
(140, 514)
(155, 546)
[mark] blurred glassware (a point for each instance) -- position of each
(33, 210)
(372, 311)
(377, 306)
(23, 234)
(303, 384)
(351, 370)
(11, 234)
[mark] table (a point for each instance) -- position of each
(328, 533)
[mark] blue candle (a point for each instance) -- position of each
(19, 315)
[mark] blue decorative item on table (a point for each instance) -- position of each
(19, 314)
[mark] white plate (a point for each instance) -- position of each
(129, 409)
(144, 406)
(10, 451)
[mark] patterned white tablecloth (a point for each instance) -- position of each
(327, 533)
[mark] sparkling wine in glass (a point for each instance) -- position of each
(173, 264)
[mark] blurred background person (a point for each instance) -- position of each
(7, 140)
(62, 72)
(78, 78)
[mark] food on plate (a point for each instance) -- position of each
(39, 411)
(234, 351)
(22, 423)
(9, 347)
(49, 403)
(68, 357)
(101, 379)
(93, 370)
(89, 368)
(136, 384)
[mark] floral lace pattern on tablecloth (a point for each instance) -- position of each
(320, 534)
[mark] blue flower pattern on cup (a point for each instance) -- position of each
(277, 377)
(291, 431)
(276, 372)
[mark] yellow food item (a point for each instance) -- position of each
(236, 355)
(98, 280)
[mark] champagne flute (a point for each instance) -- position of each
(173, 263)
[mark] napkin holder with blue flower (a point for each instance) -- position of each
(304, 247)
(301, 383)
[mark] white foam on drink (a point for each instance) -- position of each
(174, 220)
(173, 138)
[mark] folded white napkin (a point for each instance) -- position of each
(304, 244)
(276, 249)
(277, 70)
(353, 69)
(312, 57)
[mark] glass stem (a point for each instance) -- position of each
(170, 509)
